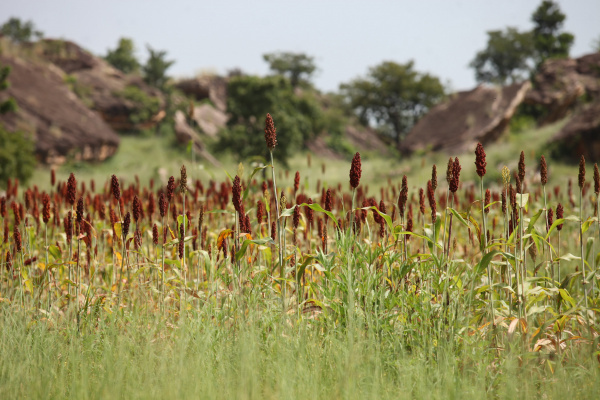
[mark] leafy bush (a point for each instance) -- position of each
(17, 159)
(145, 107)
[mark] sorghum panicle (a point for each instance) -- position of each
(355, 171)
(543, 171)
(162, 204)
(559, 215)
(270, 133)
(115, 188)
(596, 180)
(581, 175)
(46, 207)
(71, 189)
(126, 223)
(455, 176)
(522, 167)
(170, 189)
(480, 162)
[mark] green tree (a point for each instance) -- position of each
(10, 104)
(123, 58)
(249, 98)
(511, 55)
(20, 31)
(394, 96)
(548, 40)
(506, 59)
(155, 70)
(17, 158)
(298, 67)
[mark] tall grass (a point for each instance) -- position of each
(362, 307)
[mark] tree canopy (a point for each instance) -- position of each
(548, 40)
(298, 67)
(511, 55)
(506, 59)
(394, 96)
(298, 116)
(16, 148)
(123, 57)
(20, 31)
(155, 69)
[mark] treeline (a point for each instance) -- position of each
(390, 97)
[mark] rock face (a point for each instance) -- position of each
(185, 133)
(366, 139)
(63, 125)
(125, 102)
(478, 115)
(560, 83)
(209, 119)
(581, 135)
(211, 87)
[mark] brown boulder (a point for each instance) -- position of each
(581, 135)
(561, 82)
(478, 115)
(211, 87)
(185, 133)
(209, 119)
(365, 139)
(62, 124)
(124, 101)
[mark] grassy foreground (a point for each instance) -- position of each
(264, 356)
(251, 292)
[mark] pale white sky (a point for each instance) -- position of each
(345, 36)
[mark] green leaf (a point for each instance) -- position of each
(240, 253)
(55, 252)
(180, 219)
(318, 208)
(566, 297)
(302, 268)
(533, 220)
(459, 217)
(554, 225)
(587, 224)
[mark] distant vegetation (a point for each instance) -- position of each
(512, 56)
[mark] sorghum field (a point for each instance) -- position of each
(268, 285)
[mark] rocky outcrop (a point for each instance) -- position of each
(581, 135)
(561, 82)
(185, 133)
(209, 119)
(478, 115)
(365, 139)
(62, 124)
(125, 102)
(211, 87)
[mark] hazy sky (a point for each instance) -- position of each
(345, 37)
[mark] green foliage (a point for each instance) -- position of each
(511, 55)
(145, 106)
(298, 67)
(394, 96)
(297, 116)
(506, 59)
(19, 31)
(155, 70)
(123, 58)
(548, 40)
(82, 91)
(9, 104)
(17, 159)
